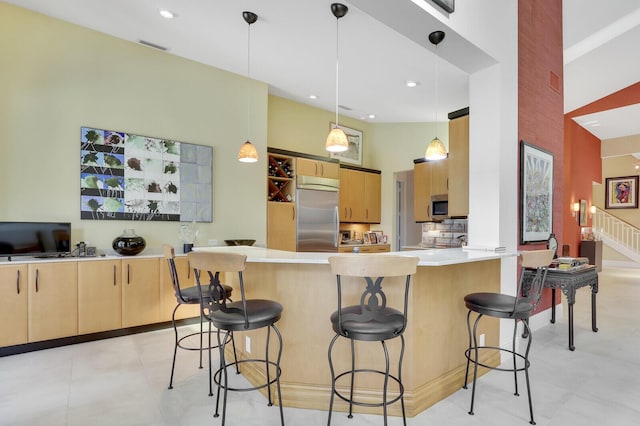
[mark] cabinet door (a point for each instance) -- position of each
(281, 226)
(308, 167)
(168, 294)
(53, 300)
(140, 291)
(459, 166)
(13, 305)
(99, 296)
(372, 188)
(422, 191)
(439, 177)
(351, 196)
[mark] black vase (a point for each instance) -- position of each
(129, 243)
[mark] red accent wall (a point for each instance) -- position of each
(540, 97)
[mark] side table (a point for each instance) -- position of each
(569, 281)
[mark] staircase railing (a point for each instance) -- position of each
(617, 233)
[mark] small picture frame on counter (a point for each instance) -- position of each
(365, 236)
(373, 238)
(379, 235)
(345, 236)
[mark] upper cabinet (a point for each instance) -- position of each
(429, 178)
(449, 176)
(459, 166)
(359, 196)
(309, 167)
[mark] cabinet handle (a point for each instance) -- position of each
(37, 278)
(18, 281)
(428, 211)
(128, 272)
(188, 269)
(321, 169)
(345, 212)
(114, 275)
(293, 213)
(350, 213)
(316, 172)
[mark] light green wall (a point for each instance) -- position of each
(56, 77)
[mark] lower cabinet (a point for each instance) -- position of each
(281, 226)
(99, 296)
(373, 248)
(140, 291)
(53, 300)
(167, 293)
(13, 305)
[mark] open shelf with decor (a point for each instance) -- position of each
(280, 178)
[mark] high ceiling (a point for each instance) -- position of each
(293, 49)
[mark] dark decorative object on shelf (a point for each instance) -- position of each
(239, 242)
(129, 243)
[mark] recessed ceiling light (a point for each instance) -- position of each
(313, 97)
(411, 83)
(372, 116)
(167, 14)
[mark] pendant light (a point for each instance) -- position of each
(248, 152)
(337, 139)
(436, 149)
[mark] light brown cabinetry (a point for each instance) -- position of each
(99, 296)
(309, 167)
(281, 226)
(140, 291)
(374, 248)
(13, 305)
(459, 166)
(359, 196)
(53, 300)
(429, 178)
(168, 294)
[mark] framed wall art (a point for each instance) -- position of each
(621, 192)
(582, 219)
(124, 176)
(353, 155)
(536, 193)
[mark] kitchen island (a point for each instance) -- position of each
(436, 333)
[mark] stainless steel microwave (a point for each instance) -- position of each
(440, 206)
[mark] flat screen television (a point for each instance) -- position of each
(43, 239)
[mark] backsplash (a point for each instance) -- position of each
(445, 234)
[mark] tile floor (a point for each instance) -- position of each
(123, 381)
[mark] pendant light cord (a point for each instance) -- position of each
(248, 78)
(437, 60)
(337, 67)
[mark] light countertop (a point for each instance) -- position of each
(432, 257)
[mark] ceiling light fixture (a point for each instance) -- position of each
(337, 139)
(248, 152)
(411, 83)
(167, 14)
(436, 149)
(313, 97)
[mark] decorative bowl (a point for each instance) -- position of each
(239, 242)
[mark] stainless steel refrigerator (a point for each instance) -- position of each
(317, 214)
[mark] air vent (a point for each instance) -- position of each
(155, 46)
(344, 107)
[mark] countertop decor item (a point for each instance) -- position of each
(239, 242)
(129, 243)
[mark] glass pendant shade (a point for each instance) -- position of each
(248, 153)
(337, 141)
(435, 150)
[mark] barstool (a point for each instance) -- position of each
(186, 296)
(371, 320)
(518, 307)
(244, 315)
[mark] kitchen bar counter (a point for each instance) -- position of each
(436, 334)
